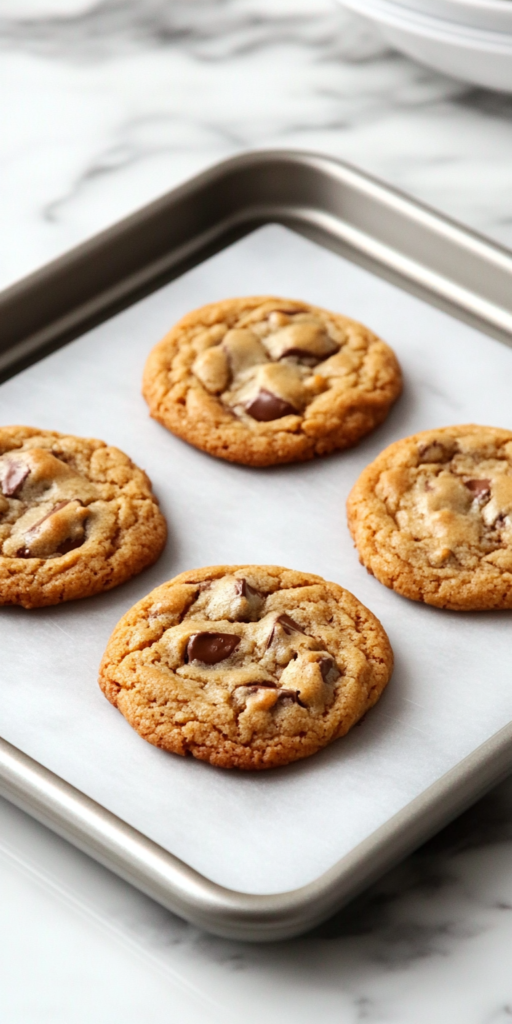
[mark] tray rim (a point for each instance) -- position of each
(32, 327)
(43, 794)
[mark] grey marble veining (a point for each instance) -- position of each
(429, 942)
(105, 106)
(204, 29)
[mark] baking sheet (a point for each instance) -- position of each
(273, 831)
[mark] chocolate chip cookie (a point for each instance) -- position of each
(76, 517)
(246, 666)
(432, 517)
(263, 381)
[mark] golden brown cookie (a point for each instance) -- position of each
(246, 666)
(76, 517)
(431, 517)
(266, 380)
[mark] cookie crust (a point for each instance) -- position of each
(431, 517)
(246, 666)
(76, 517)
(330, 380)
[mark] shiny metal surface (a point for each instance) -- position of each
(184, 891)
(340, 207)
(373, 225)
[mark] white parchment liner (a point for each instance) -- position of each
(451, 688)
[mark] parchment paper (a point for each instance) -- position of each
(451, 688)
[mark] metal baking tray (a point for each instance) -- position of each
(395, 238)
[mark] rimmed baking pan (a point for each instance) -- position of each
(257, 859)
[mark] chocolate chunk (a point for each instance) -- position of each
(437, 451)
(56, 508)
(62, 456)
(70, 544)
(290, 696)
(304, 357)
(67, 545)
(264, 693)
(479, 488)
(289, 625)
(329, 669)
(211, 648)
(12, 476)
(244, 589)
(266, 407)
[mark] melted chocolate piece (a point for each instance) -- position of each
(70, 545)
(303, 356)
(289, 625)
(287, 696)
(56, 508)
(244, 589)
(65, 457)
(13, 476)
(67, 545)
(328, 667)
(210, 648)
(479, 488)
(437, 451)
(266, 407)
(245, 690)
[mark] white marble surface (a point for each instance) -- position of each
(105, 106)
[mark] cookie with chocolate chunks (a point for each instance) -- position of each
(431, 517)
(246, 666)
(265, 380)
(76, 517)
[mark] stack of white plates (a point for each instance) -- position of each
(468, 39)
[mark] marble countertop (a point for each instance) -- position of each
(106, 105)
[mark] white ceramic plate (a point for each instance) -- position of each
(472, 55)
(488, 15)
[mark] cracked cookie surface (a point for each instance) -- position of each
(264, 380)
(246, 666)
(76, 517)
(431, 517)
